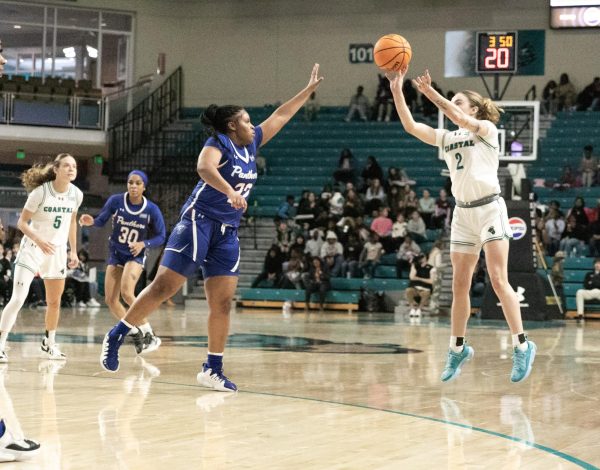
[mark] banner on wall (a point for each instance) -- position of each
(461, 53)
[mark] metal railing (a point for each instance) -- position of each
(78, 112)
(145, 120)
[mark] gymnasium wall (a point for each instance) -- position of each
(257, 52)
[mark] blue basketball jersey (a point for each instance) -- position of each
(238, 168)
(132, 223)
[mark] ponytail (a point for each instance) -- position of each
(215, 118)
(488, 110)
(41, 173)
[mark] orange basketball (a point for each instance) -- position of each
(392, 52)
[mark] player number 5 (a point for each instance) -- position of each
(57, 221)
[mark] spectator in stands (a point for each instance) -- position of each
(312, 107)
(411, 201)
(567, 179)
(361, 229)
(555, 226)
(272, 267)
(292, 272)
(565, 93)
(435, 257)
(588, 167)
(399, 230)
(313, 246)
(5, 267)
(353, 206)
(382, 226)
(441, 213)
(336, 203)
(79, 280)
(429, 109)
(407, 251)
(579, 212)
(426, 207)
(589, 98)
(287, 209)
(422, 277)
(308, 209)
(394, 196)
(416, 227)
(399, 177)
(549, 98)
(359, 103)
(317, 281)
(374, 197)
(261, 165)
(384, 100)
(371, 171)
(299, 243)
(557, 274)
(591, 288)
(345, 172)
(594, 243)
(2, 60)
(574, 238)
(352, 251)
(410, 95)
(333, 250)
(370, 255)
(283, 237)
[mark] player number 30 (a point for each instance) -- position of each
(128, 235)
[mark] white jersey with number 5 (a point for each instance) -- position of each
(472, 161)
(52, 212)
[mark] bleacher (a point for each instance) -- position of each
(563, 146)
(575, 270)
(304, 155)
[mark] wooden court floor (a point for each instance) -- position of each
(330, 391)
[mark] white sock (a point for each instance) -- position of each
(51, 337)
(145, 328)
(517, 344)
(215, 354)
(132, 329)
(3, 338)
(454, 347)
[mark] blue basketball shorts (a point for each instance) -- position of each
(203, 244)
(121, 258)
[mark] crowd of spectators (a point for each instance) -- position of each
(364, 215)
(382, 108)
(575, 233)
(563, 96)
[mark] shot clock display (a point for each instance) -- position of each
(496, 52)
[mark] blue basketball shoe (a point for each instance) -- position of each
(455, 362)
(522, 362)
(215, 379)
(109, 358)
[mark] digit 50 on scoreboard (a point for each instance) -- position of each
(497, 52)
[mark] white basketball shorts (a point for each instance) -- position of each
(472, 227)
(31, 257)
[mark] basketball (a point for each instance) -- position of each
(392, 53)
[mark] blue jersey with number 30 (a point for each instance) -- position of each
(132, 223)
(238, 168)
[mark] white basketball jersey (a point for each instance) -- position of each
(52, 212)
(472, 161)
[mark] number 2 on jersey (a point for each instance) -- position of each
(459, 165)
